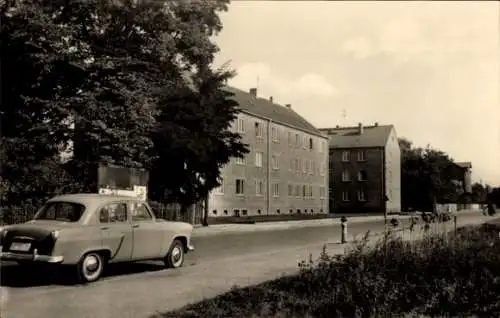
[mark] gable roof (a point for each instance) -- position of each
(349, 137)
(264, 108)
(466, 164)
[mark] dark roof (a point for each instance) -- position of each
(349, 137)
(464, 164)
(261, 107)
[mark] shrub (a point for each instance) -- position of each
(453, 274)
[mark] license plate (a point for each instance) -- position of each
(21, 247)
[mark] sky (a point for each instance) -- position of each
(431, 69)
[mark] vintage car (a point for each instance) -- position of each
(91, 230)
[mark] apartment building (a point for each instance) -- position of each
(286, 169)
(364, 169)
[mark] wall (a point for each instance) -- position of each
(225, 204)
(393, 173)
(373, 186)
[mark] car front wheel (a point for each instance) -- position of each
(90, 267)
(175, 256)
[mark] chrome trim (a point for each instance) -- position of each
(190, 247)
(35, 257)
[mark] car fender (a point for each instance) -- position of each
(174, 231)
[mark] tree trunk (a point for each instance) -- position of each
(204, 221)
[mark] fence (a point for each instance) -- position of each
(170, 212)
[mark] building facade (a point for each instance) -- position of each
(285, 171)
(364, 169)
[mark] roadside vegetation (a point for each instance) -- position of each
(451, 274)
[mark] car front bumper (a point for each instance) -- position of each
(35, 257)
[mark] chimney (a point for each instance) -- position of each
(253, 92)
(360, 126)
(376, 124)
(271, 99)
(288, 105)
(338, 126)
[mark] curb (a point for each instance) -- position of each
(282, 225)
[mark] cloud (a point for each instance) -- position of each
(429, 36)
(268, 82)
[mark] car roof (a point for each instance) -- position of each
(91, 198)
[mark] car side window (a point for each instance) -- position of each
(140, 212)
(114, 212)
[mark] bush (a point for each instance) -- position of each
(454, 274)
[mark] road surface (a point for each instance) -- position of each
(143, 289)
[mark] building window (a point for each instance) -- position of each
(304, 165)
(313, 167)
(240, 161)
(240, 125)
(220, 189)
(304, 142)
(259, 211)
(259, 187)
(240, 186)
(214, 212)
(297, 140)
(345, 176)
(276, 189)
(258, 130)
(297, 190)
(322, 146)
(304, 191)
(275, 134)
(362, 175)
(345, 196)
(321, 192)
(258, 158)
(361, 196)
(310, 143)
(290, 190)
(292, 164)
(345, 156)
(244, 212)
(322, 169)
(310, 191)
(225, 212)
(278, 211)
(275, 161)
(290, 138)
(361, 155)
(297, 165)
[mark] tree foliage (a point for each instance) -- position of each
(428, 176)
(115, 71)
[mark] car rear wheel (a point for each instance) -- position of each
(175, 256)
(90, 267)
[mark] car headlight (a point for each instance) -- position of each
(55, 234)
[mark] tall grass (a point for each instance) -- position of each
(447, 274)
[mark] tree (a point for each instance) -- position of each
(427, 177)
(103, 67)
(479, 193)
(193, 138)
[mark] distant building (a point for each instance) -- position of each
(286, 169)
(364, 168)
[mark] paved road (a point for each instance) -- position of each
(140, 290)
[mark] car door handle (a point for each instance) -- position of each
(135, 225)
(105, 228)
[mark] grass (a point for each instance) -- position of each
(451, 274)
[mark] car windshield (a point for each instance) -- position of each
(61, 211)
